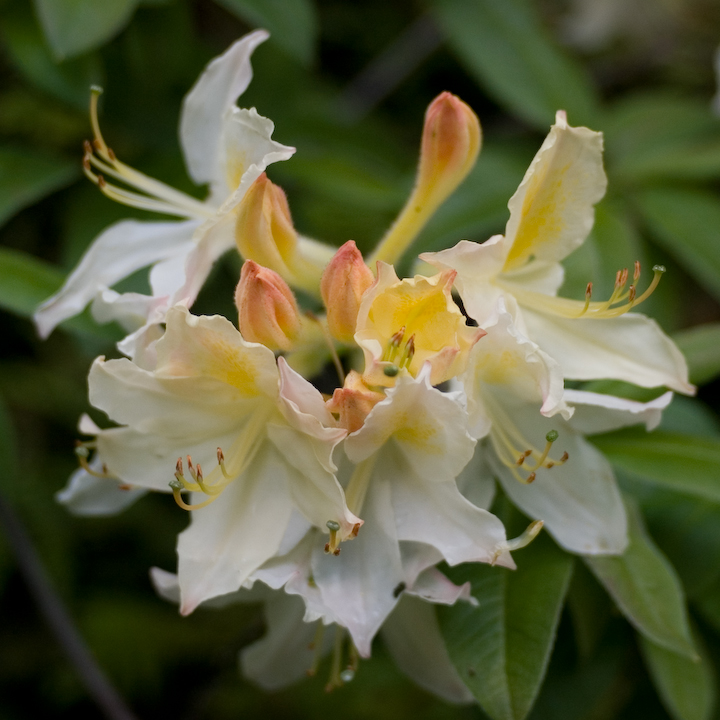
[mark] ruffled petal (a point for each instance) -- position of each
(427, 426)
(217, 89)
(117, 252)
(630, 347)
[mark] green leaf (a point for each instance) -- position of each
(686, 687)
(26, 47)
(700, 346)
(27, 176)
(505, 46)
(501, 648)
(687, 224)
(662, 135)
(646, 589)
(76, 26)
(25, 281)
(292, 24)
(688, 464)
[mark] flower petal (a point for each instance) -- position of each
(247, 150)
(579, 501)
(358, 586)
(435, 513)
(552, 211)
(596, 413)
(630, 347)
(236, 534)
(506, 362)
(285, 654)
(217, 89)
(90, 496)
(426, 425)
(116, 253)
(413, 638)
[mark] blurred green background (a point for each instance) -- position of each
(347, 83)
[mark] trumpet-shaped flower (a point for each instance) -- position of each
(404, 324)
(301, 630)
(224, 404)
(223, 145)
(535, 430)
(551, 214)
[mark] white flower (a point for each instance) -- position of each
(221, 401)
(551, 214)
(302, 630)
(406, 456)
(545, 465)
(223, 145)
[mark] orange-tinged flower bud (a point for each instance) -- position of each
(345, 280)
(450, 145)
(264, 230)
(353, 402)
(267, 310)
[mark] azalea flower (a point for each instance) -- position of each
(225, 404)
(301, 630)
(224, 146)
(534, 439)
(551, 214)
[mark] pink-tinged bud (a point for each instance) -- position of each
(353, 402)
(267, 311)
(264, 230)
(450, 145)
(345, 280)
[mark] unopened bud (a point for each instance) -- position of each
(450, 145)
(345, 280)
(267, 310)
(264, 230)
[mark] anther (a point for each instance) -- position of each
(636, 273)
(101, 181)
(408, 352)
(355, 530)
(530, 478)
(221, 463)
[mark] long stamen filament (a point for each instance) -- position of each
(154, 195)
(620, 302)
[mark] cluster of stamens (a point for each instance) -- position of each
(100, 162)
(338, 677)
(198, 484)
(541, 459)
(397, 353)
(621, 300)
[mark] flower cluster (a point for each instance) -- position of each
(336, 509)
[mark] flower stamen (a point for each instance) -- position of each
(153, 195)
